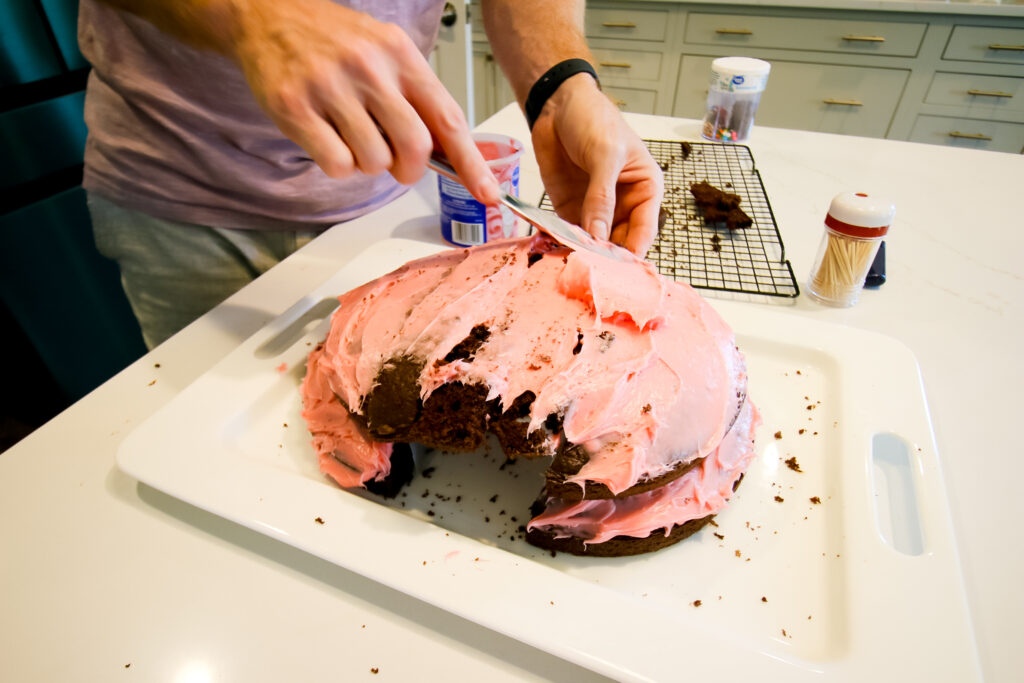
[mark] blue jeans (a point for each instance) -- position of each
(175, 272)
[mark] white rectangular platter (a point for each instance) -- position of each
(841, 563)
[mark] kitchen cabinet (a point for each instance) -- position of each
(843, 35)
(924, 71)
(828, 98)
(972, 133)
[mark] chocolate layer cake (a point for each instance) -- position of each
(629, 382)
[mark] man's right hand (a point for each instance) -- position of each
(354, 92)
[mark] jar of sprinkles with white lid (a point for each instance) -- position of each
(854, 227)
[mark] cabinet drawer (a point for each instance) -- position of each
(981, 96)
(627, 64)
(633, 99)
(793, 33)
(825, 98)
(986, 44)
(628, 24)
(970, 133)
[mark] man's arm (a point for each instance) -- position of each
(597, 171)
(354, 92)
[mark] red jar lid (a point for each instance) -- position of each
(859, 214)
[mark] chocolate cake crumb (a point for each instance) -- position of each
(719, 207)
(697, 603)
(792, 464)
(801, 431)
(738, 553)
(427, 472)
(374, 670)
(319, 520)
(816, 500)
(717, 535)
(494, 498)
(779, 499)
(466, 348)
(764, 599)
(778, 435)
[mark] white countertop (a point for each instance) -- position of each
(102, 578)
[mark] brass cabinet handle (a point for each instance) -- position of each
(734, 31)
(989, 93)
(617, 102)
(997, 46)
(618, 24)
(865, 39)
(618, 65)
(845, 103)
(968, 136)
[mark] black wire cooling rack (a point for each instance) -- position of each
(750, 260)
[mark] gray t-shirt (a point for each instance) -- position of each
(175, 131)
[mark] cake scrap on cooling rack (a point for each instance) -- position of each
(629, 382)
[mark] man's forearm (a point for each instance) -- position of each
(206, 24)
(530, 36)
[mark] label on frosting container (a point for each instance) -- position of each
(465, 221)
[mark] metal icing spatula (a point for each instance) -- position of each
(563, 232)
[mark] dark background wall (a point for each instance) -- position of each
(65, 325)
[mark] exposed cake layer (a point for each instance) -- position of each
(639, 371)
(697, 495)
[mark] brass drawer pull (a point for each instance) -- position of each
(845, 103)
(990, 93)
(618, 24)
(734, 31)
(865, 39)
(968, 136)
(617, 102)
(618, 65)
(997, 46)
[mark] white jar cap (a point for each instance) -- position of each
(860, 214)
(739, 74)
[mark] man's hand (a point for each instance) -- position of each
(597, 171)
(354, 92)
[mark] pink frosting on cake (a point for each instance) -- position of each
(702, 491)
(345, 451)
(644, 373)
